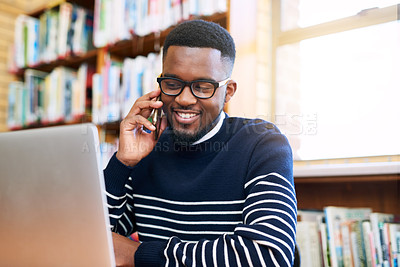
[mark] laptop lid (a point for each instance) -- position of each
(52, 198)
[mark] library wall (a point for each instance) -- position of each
(9, 10)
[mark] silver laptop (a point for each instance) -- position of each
(52, 198)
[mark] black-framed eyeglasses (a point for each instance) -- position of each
(200, 88)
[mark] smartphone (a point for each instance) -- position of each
(155, 119)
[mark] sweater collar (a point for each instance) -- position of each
(213, 131)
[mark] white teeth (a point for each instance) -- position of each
(186, 115)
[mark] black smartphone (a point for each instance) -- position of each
(155, 119)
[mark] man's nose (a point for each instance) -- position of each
(186, 98)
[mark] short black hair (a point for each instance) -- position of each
(201, 33)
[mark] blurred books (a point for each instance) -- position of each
(45, 98)
(58, 32)
(116, 20)
(348, 237)
(119, 84)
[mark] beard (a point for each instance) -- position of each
(184, 138)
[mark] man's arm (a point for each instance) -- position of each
(124, 250)
(134, 145)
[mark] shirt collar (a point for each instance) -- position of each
(213, 131)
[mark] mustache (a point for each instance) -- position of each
(184, 108)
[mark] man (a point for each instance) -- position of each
(212, 190)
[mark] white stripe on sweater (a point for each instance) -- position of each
(214, 253)
(188, 212)
(165, 253)
(260, 257)
(203, 253)
(270, 201)
(159, 218)
(269, 209)
(268, 217)
(226, 251)
(246, 251)
(270, 192)
(158, 227)
(236, 253)
(187, 203)
(116, 207)
(270, 174)
(267, 243)
(115, 197)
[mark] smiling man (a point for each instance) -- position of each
(212, 189)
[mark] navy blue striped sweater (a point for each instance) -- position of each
(228, 201)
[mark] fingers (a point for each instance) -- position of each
(132, 122)
(144, 107)
(146, 102)
(141, 110)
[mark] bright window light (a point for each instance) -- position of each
(349, 83)
(311, 12)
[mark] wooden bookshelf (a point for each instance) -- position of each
(71, 61)
(380, 192)
(135, 46)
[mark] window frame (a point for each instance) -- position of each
(364, 18)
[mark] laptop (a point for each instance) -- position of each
(52, 198)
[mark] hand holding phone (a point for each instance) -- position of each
(155, 119)
(133, 132)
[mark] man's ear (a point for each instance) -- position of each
(230, 90)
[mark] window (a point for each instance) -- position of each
(342, 76)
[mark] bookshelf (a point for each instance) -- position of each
(113, 51)
(379, 192)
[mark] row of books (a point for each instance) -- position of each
(348, 237)
(119, 84)
(65, 94)
(116, 20)
(43, 98)
(61, 31)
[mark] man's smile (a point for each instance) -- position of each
(186, 116)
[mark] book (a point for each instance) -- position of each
(97, 94)
(26, 41)
(48, 35)
(377, 223)
(323, 231)
(309, 237)
(79, 87)
(357, 243)
(368, 242)
(64, 25)
(347, 248)
(15, 105)
(394, 243)
(34, 84)
(334, 217)
(308, 242)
